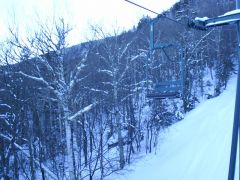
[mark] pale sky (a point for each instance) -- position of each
(78, 13)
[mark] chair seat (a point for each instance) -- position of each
(164, 95)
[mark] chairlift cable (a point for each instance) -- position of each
(142, 7)
(159, 15)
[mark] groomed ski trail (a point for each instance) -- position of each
(196, 148)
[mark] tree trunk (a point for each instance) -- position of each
(119, 130)
(85, 142)
(69, 147)
(30, 143)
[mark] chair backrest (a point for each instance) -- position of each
(169, 86)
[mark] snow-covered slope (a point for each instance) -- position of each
(196, 148)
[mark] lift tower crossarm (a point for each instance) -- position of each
(231, 17)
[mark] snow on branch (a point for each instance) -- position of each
(133, 58)
(5, 105)
(107, 83)
(41, 80)
(96, 90)
(46, 169)
(108, 72)
(125, 49)
(80, 112)
(199, 42)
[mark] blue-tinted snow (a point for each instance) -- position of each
(196, 148)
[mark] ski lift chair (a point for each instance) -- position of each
(166, 89)
(171, 88)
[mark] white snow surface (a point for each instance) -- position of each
(236, 11)
(196, 148)
(201, 19)
(222, 22)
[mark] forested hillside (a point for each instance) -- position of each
(81, 112)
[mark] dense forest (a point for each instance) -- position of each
(81, 112)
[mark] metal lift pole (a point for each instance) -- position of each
(236, 123)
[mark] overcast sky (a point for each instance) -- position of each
(78, 13)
